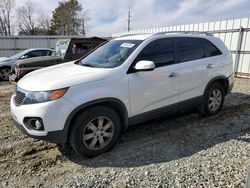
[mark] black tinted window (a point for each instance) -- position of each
(160, 51)
(209, 48)
(81, 47)
(189, 49)
(49, 52)
(37, 53)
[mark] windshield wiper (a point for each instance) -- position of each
(88, 65)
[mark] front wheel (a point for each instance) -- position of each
(95, 131)
(4, 73)
(213, 100)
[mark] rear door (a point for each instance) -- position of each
(193, 67)
(151, 90)
(198, 58)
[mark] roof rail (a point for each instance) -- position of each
(184, 32)
(170, 32)
(127, 35)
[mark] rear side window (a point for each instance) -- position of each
(160, 51)
(209, 48)
(189, 49)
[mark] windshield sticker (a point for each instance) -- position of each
(127, 45)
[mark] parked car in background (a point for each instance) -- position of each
(7, 62)
(66, 50)
(89, 102)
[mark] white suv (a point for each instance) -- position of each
(89, 102)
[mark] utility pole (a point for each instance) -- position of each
(129, 21)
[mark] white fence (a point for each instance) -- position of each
(234, 33)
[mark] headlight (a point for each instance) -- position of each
(43, 96)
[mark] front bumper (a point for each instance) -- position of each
(17, 73)
(13, 78)
(53, 136)
(54, 115)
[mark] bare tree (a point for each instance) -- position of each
(43, 21)
(26, 18)
(6, 15)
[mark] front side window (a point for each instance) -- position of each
(37, 53)
(160, 51)
(189, 49)
(112, 54)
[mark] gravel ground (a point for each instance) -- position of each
(179, 151)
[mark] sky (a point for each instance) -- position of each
(110, 16)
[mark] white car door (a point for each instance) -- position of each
(191, 57)
(151, 90)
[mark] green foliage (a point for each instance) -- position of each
(65, 19)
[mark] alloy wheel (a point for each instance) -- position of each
(4, 73)
(98, 133)
(215, 100)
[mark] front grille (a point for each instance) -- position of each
(19, 98)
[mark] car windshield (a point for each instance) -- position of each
(112, 54)
(18, 55)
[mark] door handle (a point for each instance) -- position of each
(210, 65)
(173, 75)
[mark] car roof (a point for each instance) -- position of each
(32, 49)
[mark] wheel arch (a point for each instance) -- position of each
(220, 79)
(5, 66)
(113, 103)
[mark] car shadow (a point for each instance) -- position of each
(176, 136)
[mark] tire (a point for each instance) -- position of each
(213, 100)
(4, 73)
(95, 131)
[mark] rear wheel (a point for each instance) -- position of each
(95, 131)
(4, 73)
(213, 100)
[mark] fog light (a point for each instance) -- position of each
(34, 123)
(38, 125)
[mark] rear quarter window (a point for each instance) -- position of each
(209, 48)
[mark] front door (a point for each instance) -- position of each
(151, 90)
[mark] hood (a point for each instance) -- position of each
(60, 76)
(5, 59)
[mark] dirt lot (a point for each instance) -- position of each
(180, 151)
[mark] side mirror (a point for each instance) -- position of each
(23, 57)
(144, 65)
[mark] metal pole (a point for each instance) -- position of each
(48, 42)
(15, 45)
(129, 20)
(237, 56)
